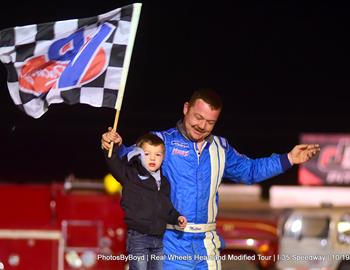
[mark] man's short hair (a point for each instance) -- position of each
(151, 139)
(208, 96)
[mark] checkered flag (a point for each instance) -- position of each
(72, 61)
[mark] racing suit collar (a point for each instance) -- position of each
(180, 127)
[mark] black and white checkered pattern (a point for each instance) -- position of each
(24, 42)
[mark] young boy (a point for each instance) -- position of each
(145, 200)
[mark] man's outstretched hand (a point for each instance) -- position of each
(303, 152)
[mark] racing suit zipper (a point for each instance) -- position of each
(195, 146)
(198, 152)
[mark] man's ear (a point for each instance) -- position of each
(186, 108)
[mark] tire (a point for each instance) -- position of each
(344, 265)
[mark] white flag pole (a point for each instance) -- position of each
(133, 28)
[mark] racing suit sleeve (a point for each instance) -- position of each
(242, 169)
(124, 150)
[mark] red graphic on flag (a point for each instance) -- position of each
(40, 75)
(96, 66)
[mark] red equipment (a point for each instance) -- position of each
(60, 227)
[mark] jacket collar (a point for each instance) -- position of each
(180, 127)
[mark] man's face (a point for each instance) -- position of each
(154, 155)
(199, 120)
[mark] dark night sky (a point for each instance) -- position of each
(282, 68)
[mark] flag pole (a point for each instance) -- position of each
(134, 23)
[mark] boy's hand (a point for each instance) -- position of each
(108, 137)
(182, 221)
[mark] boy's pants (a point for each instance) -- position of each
(145, 252)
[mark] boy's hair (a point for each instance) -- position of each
(151, 139)
(208, 96)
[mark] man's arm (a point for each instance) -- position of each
(303, 152)
(115, 164)
(243, 169)
(112, 136)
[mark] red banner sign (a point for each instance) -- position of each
(332, 166)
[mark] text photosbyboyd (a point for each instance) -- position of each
(230, 257)
(173, 257)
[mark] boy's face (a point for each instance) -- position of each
(154, 156)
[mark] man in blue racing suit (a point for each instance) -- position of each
(195, 164)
